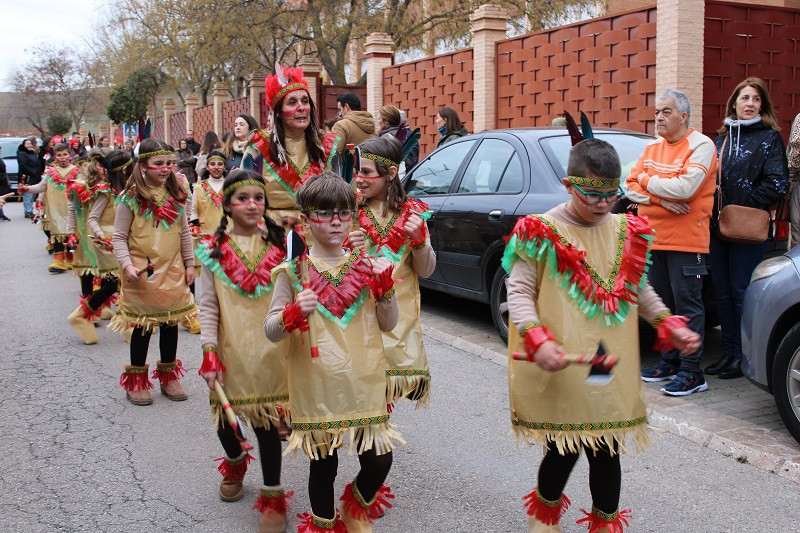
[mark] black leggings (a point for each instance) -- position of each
(167, 344)
(87, 284)
(269, 450)
(108, 286)
(605, 476)
(322, 474)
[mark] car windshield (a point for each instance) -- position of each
(9, 147)
(629, 146)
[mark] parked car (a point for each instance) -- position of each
(9, 154)
(771, 333)
(479, 185)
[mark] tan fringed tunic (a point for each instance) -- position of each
(91, 257)
(542, 254)
(343, 391)
(235, 296)
(54, 187)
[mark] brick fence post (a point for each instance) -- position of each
(679, 51)
(168, 109)
(379, 54)
(312, 68)
(255, 84)
(220, 92)
(489, 25)
(191, 101)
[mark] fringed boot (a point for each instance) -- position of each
(137, 386)
(544, 515)
(273, 505)
(233, 470)
(600, 522)
(168, 375)
(357, 513)
(192, 324)
(68, 260)
(58, 265)
(311, 523)
(82, 321)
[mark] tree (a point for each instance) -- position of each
(129, 101)
(58, 124)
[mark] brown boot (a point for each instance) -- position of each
(168, 374)
(137, 386)
(83, 327)
(272, 504)
(357, 513)
(233, 470)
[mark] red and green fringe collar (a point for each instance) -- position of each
(536, 238)
(288, 175)
(341, 296)
(216, 197)
(392, 240)
(250, 278)
(84, 194)
(62, 183)
(164, 213)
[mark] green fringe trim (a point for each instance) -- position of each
(408, 384)
(573, 437)
(215, 267)
(318, 443)
(331, 155)
(134, 206)
(386, 252)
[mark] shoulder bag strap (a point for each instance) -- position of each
(719, 172)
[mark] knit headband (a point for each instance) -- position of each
(283, 92)
(155, 153)
(385, 161)
(122, 166)
(216, 157)
(244, 183)
(593, 182)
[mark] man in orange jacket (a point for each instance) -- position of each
(673, 183)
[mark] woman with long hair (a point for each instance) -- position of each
(186, 161)
(449, 125)
(236, 143)
(754, 174)
(210, 142)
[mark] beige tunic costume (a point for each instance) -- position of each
(54, 187)
(343, 391)
(581, 299)
(90, 257)
(235, 296)
(207, 208)
(407, 372)
(158, 234)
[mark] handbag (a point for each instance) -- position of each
(737, 223)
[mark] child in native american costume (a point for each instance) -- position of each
(235, 295)
(91, 225)
(392, 226)
(577, 275)
(294, 150)
(337, 386)
(154, 247)
(53, 192)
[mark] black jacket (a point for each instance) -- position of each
(755, 172)
(29, 165)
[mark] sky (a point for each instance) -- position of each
(25, 24)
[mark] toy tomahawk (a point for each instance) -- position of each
(233, 420)
(600, 363)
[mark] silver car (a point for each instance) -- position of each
(771, 333)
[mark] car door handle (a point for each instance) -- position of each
(495, 214)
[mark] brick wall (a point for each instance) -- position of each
(263, 118)
(604, 67)
(749, 40)
(232, 109)
(177, 125)
(421, 88)
(203, 120)
(328, 94)
(158, 128)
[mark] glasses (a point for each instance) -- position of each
(326, 215)
(594, 198)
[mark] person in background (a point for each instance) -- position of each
(793, 154)
(236, 143)
(186, 161)
(392, 122)
(356, 125)
(210, 143)
(5, 186)
(754, 174)
(449, 125)
(104, 142)
(194, 146)
(329, 124)
(30, 171)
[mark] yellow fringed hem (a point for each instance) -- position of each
(121, 322)
(261, 415)
(574, 441)
(416, 388)
(318, 443)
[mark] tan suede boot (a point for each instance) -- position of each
(233, 470)
(544, 515)
(168, 375)
(136, 384)
(58, 266)
(357, 513)
(600, 522)
(106, 313)
(311, 523)
(535, 526)
(272, 504)
(191, 324)
(84, 328)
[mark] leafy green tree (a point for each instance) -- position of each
(129, 101)
(58, 124)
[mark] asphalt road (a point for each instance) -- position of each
(78, 457)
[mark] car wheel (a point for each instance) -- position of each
(499, 303)
(786, 381)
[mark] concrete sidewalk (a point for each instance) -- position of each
(734, 417)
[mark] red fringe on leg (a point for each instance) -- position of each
(234, 468)
(135, 379)
(354, 504)
(93, 314)
(273, 501)
(545, 511)
(307, 525)
(166, 373)
(613, 523)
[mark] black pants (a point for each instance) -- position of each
(167, 344)
(605, 476)
(269, 450)
(87, 285)
(108, 286)
(322, 474)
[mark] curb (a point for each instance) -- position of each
(766, 452)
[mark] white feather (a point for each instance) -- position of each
(281, 75)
